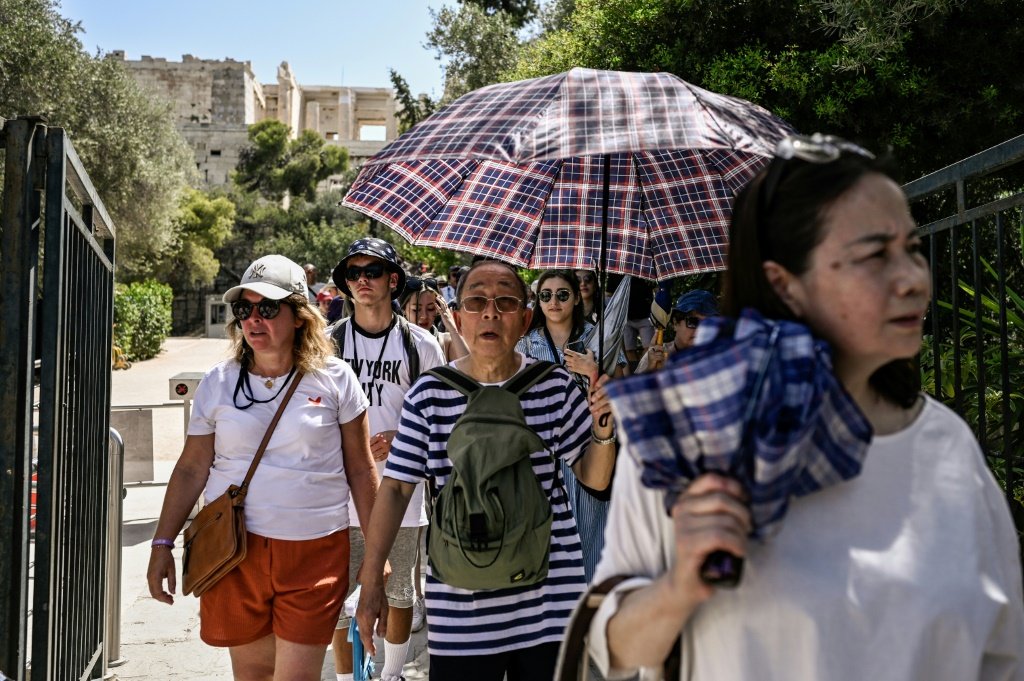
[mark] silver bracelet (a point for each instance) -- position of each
(610, 440)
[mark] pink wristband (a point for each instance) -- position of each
(169, 543)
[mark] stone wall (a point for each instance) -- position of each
(216, 100)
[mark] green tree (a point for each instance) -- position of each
(204, 223)
(519, 11)
(128, 142)
(275, 165)
(936, 88)
(474, 46)
(411, 109)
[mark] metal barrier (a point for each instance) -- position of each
(115, 518)
(973, 357)
(57, 246)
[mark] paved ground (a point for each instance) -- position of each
(159, 641)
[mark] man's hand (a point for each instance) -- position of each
(372, 609)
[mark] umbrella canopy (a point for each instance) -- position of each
(752, 398)
(545, 173)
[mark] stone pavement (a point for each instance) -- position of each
(160, 641)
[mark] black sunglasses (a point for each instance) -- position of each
(416, 284)
(371, 271)
(268, 309)
(563, 295)
(692, 322)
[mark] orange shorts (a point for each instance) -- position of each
(292, 589)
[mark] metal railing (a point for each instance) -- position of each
(115, 518)
(973, 358)
(57, 246)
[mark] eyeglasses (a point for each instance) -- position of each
(268, 309)
(477, 304)
(562, 294)
(817, 148)
(692, 322)
(371, 271)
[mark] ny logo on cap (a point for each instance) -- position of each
(257, 271)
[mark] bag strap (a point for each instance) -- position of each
(455, 379)
(573, 652)
(244, 488)
(528, 377)
(412, 357)
(339, 336)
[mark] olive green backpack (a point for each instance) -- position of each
(491, 523)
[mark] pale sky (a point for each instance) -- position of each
(339, 42)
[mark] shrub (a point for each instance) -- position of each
(142, 318)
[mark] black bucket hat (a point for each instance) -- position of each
(375, 248)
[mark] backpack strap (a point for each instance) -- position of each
(339, 336)
(528, 377)
(455, 379)
(411, 354)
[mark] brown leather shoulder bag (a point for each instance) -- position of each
(215, 540)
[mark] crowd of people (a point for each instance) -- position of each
(909, 570)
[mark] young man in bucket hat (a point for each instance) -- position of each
(690, 309)
(377, 344)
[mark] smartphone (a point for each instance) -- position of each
(577, 346)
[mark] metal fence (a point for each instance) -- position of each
(57, 246)
(973, 358)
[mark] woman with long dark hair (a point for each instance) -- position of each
(555, 336)
(909, 570)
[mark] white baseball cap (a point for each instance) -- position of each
(272, 276)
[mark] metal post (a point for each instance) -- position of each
(115, 519)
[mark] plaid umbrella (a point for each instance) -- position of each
(754, 399)
(632, 173)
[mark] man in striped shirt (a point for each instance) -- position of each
(516, 631)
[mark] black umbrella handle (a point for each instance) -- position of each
(722, 569)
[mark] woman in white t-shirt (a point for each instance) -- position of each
(911, 570)
(277, 610)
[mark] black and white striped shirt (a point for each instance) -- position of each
(462, 622)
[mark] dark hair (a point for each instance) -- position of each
(786, 233)
(464, 277)
(578, 317)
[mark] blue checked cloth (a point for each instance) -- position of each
(753, 398)
(515, 171)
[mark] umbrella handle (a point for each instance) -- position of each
(659, 336)
(722, 569)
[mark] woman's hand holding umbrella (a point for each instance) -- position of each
(709, 517)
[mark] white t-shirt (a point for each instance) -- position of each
(381, 365)
(299, 490)
(910, 571)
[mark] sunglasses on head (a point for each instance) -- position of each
(268, 309)
(692, 322)
(416, 284)
(816, 148)
(562, 294)
(371, 271)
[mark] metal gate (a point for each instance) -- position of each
(56, 315)
(973, 358)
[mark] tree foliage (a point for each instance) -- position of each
(274, 165)
(474, 46)
(411, 109)
(521, 12)
(935, 84)
(204, 223)
(128, 142)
